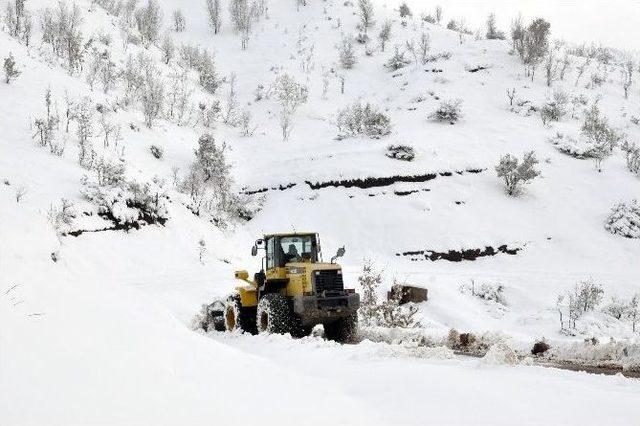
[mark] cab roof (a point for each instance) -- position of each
(290, 234)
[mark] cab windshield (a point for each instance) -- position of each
(298, 249)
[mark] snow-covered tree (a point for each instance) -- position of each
(515, 174)
(599, 134)
(290, 95)
(179, 21)
(168, 49)
(627, 77)
(385, 34)
(366, 14)
(492, 30)
(369, 281)
(215, 15)
(10, 70)
(149, 21)
(346, 53)
(152, 93)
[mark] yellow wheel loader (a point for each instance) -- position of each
(293, 292)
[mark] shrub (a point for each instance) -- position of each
(632, 154)
(540, 348)
(156, 151)
(554, 109)
(388, 313)
(401, 152)
(359, 119)
(369, 281)
(485, 291)
(397, 61)
(128, 203)
(624, 220)
(405, 10)
(515, 174)
(449, 111)
(10, 70)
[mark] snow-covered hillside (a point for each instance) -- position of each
(97, 292)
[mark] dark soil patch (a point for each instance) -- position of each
(459, 256)
(117, 225)
(377, 182)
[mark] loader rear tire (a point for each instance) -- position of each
(343, 330)
(237, 318)
(274, 314)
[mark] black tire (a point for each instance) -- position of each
(237, 318)
(298, 330)
(343, 330)
(274, 315)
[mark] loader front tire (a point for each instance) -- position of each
(343, 330)
(237, 318)
(274, 314)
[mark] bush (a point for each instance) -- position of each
(624, 220)
(485, 291)
(397, 61)
(156, 151)
(515, 174)
(540, 348)
(632, 154)
(449, 111)
(554, 109)
(127, 203)
(405, 10)
(401, 152)
(359, 119)
(388, 313)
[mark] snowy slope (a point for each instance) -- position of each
(102, 334)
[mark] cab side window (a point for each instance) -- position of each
(270, 253)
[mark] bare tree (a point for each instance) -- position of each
(581, 69)
(511, 94)
(551, 69)
(566, 65)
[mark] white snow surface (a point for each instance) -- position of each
(102, 335)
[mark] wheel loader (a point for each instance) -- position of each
(293, 292)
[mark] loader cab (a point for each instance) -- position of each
(282, 249)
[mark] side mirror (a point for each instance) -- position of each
(340, 253)
(254, 250)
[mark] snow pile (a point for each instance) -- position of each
(615, 353)
(500, 354)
